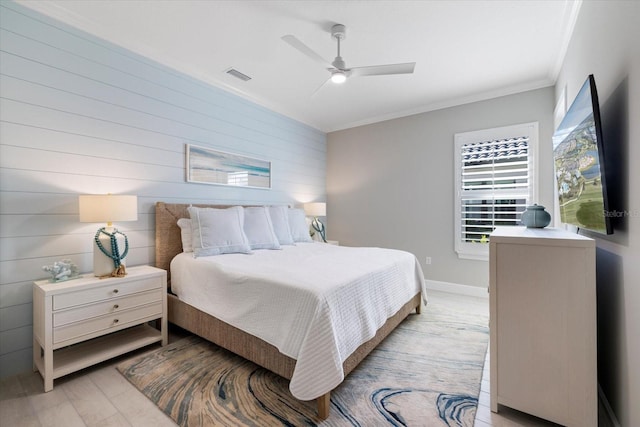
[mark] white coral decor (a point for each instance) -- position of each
(61, 270)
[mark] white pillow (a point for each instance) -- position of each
(185, 234)
(298, 225)
(258, 228)
(280, 222)
(218, 231)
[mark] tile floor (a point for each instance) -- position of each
(100, 396)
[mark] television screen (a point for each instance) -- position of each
(579, 163)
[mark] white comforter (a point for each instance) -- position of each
(314, 302)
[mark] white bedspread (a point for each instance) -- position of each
(315, 302)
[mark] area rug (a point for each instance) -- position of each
(426, 373)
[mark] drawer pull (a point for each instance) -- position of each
(115, 307)
(115, 321)
(115, 291)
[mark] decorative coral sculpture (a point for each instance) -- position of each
(62, 270)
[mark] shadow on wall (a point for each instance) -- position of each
(610, 309)
(612, 361)
(615, 129)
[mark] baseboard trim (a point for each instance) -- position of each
(610, 417)
(455, 288)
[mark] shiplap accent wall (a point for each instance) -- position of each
(82, 116)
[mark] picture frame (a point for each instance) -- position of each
(209, 166)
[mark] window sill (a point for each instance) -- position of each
(474, 257)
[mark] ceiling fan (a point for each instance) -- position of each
(338, 69)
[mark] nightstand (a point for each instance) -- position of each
(84, 321)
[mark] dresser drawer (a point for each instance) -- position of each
(103, 324)
(106, 292)
(112, 306)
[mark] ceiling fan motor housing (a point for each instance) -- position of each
(339, 63)
(339, 31)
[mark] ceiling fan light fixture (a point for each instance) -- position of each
(338, 69)
(338, 76)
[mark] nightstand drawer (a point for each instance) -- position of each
(114, 321)
(112, 306)
(101, 293)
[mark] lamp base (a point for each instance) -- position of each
(319, 227)
(103, 265)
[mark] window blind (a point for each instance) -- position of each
(495, 185)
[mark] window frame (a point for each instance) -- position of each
(480, 251)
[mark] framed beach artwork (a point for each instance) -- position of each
(208, 166)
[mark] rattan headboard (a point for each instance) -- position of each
(168, 240)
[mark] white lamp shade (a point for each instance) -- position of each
(315, 209)
(108, 208)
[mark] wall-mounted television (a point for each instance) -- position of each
(579, 164)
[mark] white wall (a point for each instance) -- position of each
(605, 43)
(82, 116)
(391, 184)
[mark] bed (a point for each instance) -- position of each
(265, 351)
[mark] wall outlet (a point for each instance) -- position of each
(427, 260)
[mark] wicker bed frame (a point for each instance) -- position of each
(169, 244)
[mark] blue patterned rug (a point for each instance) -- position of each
(426, 373)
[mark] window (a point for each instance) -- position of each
(495, 181)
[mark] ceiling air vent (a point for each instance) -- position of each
(237, 74)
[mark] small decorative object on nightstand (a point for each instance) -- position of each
(62, 270)
(79, 323)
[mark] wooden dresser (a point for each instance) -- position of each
(543, 324)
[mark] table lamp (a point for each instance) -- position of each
(315, 210)
(111, 246)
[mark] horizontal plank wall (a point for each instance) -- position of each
(82, 116)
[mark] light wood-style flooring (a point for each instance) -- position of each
(100, 396)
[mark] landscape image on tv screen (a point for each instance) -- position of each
(577, 156)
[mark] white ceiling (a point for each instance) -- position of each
(464, 51)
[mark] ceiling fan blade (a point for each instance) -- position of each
(382, 70)
(320, 87)
(297, 44)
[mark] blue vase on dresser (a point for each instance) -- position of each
(536, 217)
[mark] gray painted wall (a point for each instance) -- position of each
(605, 44)
(82, 116)
(391, 184)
